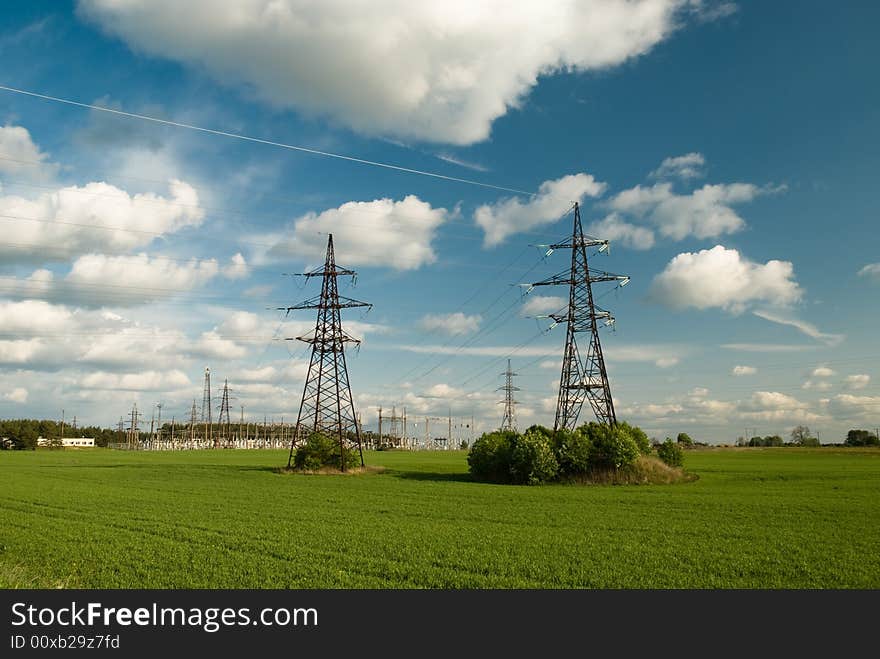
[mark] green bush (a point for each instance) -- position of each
(685, 439)
(489, 457)
(670, 452)
(532, 460)
(321, 451)
(572, 452)
(639, 436)
(611, 447)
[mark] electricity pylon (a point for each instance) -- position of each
(207, 418)
(509, 420)
(327, 404)
(223, 420)
(582, 379)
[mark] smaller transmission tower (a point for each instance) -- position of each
(223, 420)
(133, 430)
(509, 420)
(193, 418)
(327, 404)
(207, 418)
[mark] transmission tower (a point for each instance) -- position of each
(582, 378)
(509, 420)
(192, 424)
(133, 430)
(327, 404)
(206, 406)
(223, 420)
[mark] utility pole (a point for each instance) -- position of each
(508, 422)
(159, 422)
(449, 432)
(119, 428)
(192, 425)
(582, 379)
(380, 428)
(134, 433)
(62, 426)
(327, 403)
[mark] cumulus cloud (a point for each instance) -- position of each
(383, 232)
(743, 370)
(511, 215)
(723, 278)
(688, 166)
(21, 157)
(703, 213)
(848, 406)
(16, 395)
(777, 406)
(615, 229)
(97, 280)
(858, 381)
(437, 70)
(537, 305)
(148, 380)
(452, 324)
(822, 372)
(871, 271)
(97, 217)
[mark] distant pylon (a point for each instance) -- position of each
(223, 420)
(582, 379)
(509, 420)
(207, 418)
(327, 404)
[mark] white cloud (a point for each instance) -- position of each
(721, 277)
(872, 271)
(237, 268)
(688, 166)
(19, 155)
(848, 406)
(538, 305)
(396, 234)
(779, 407)
(452, 324)
(817, 386)
(438, 70)
(766, 347)
(859, 381)
(615, 229)
(704, 213)
(801, 325)
(97, 280)
(510, 215)
(17, 395)
(96, 217)
(743, 370)
(142, 381)
(822, 372)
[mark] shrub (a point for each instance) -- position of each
(670, 452)
(321, 451)
(572, 451)
(639, 436)
(685, 439)
(611, 447)
(532, 460)
(489, 457)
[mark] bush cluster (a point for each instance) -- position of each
(321, 452)
(670, 452)
(540, 455)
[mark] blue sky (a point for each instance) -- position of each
(728, 150)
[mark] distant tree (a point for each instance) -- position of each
(756, 441)
(684, 439)
(861, 438)
(773, 440)
(463, 446)
(742, 441)
(799, 435)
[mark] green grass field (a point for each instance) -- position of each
(757, 518)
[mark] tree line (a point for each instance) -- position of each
(22, 434)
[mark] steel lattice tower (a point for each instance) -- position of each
(207, 417)
(327, 404)
(509, 420)
(223, 420)
(582, 378)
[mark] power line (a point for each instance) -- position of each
(257, 140)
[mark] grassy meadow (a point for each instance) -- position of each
(755, 518)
